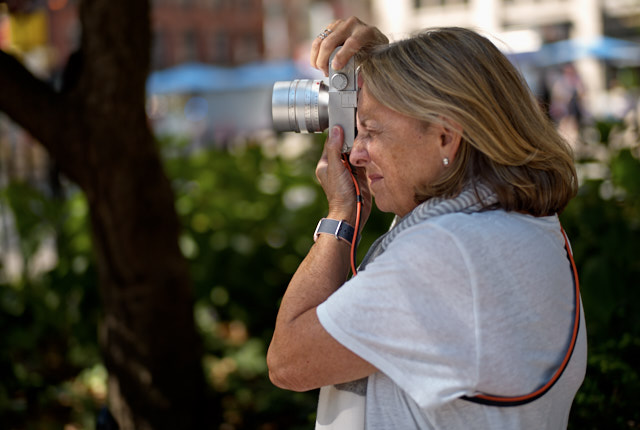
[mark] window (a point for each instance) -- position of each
(158, 50)
(189, 46)
(219, 48)
(247, 49)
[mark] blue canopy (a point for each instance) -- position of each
(203, 78)
(603, 48)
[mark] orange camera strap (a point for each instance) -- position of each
(354, 242)
(494, 400)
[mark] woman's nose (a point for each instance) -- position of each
(359, 155)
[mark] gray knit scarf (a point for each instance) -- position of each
(471, 199)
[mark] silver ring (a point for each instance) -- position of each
(326, 32)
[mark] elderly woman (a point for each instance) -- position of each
(469, 303)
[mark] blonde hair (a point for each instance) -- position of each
(457, 76)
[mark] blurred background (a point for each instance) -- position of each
(248, 201)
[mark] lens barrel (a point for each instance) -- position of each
(301, 105)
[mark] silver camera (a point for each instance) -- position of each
(312, 106)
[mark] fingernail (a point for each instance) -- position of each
(333, 133)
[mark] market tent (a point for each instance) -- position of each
(205, 78)
(622, 52)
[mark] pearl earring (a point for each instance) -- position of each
(445, 161)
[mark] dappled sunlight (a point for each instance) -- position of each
(248, 201)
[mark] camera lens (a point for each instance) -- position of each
(301, 105)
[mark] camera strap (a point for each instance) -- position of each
(354, 243)
(494, 400)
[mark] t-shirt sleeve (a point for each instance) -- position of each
(410, 313)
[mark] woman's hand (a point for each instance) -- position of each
(352, 34)
(337, 183)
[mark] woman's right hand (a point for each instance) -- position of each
(352, 34)
(333, 175)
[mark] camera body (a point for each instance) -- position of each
(312, 106)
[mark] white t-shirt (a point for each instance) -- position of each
(461, 304)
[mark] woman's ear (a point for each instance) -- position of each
(451, 137)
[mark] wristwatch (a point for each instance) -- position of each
(340, 229)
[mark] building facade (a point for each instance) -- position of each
(224, 32)
(521, 25)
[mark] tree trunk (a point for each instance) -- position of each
(96, 130)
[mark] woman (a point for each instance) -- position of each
(471, 291)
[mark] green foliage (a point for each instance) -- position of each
(603, 222)
(243, 245)
(48, 315)
(248, 214)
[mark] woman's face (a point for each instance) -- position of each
(398, 153)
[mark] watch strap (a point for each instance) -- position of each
(339, 229)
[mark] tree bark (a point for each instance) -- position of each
(96, 130)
